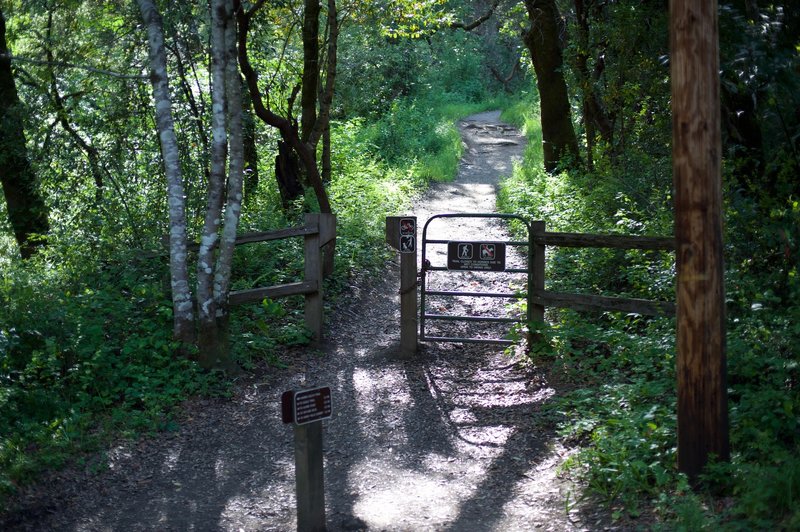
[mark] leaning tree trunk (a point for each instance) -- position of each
(179, 273)
(27, 211)
(542, 40)
(305, 151)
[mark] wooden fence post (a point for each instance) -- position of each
(327, 239)
(313, 273)
(408, 304)
(401, 234)
(536, 277)
(696, 152)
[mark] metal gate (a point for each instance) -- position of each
(461, 257)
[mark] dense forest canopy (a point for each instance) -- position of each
(130, 124)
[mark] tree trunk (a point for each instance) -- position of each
(195, 107)
(542, 40)
(214, 277)
(209, 339)
(92, 155)
(743, 133)
(179, 273)
(595, 119)
(27, 211)
(233, 208)
(327, 165)
(249, 141)
(287, 173)
(310, 89)
(306, 151)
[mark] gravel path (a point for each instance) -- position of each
(448, 441)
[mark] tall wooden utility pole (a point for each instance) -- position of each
(696, 151)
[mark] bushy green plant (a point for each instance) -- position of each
(92, 350)
(621, 369)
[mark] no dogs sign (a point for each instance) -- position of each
(478, 256)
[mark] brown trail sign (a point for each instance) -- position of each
(306, 409)
(476, 256)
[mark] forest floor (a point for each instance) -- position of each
(450, 440)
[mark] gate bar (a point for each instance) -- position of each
(446, 269)
(488, 319)
(520, 295)
(508, 243)
(468, 340)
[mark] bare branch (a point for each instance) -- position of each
(10, 57)
(477, 22)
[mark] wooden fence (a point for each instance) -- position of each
(541, 297)
(318, 231)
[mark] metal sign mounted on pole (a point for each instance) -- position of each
(306, 409)
(476, 256)
(401, 234)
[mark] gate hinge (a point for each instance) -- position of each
(425, 265)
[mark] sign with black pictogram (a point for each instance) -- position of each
(408, 235)
(478, 256)
(408, 244)
(306, 406)
(408, 226)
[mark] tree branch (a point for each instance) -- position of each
(62, 64)
(477, 22)
(289, 133)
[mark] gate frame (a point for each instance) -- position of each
(535, 280)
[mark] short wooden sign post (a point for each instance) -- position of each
(306, 409)
(401, 234)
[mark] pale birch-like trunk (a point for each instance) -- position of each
(214, 276)
(222, 275)
(209, 337)
(179, 273)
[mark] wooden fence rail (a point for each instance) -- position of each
(319, 230)
(541, 297)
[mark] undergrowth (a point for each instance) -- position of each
(618, 371)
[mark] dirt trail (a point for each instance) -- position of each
(445, 442)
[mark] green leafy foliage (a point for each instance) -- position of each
(86, 349)
(618, 371)
(93, 348)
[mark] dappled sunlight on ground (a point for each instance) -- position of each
(388, 495)
(446, 441)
